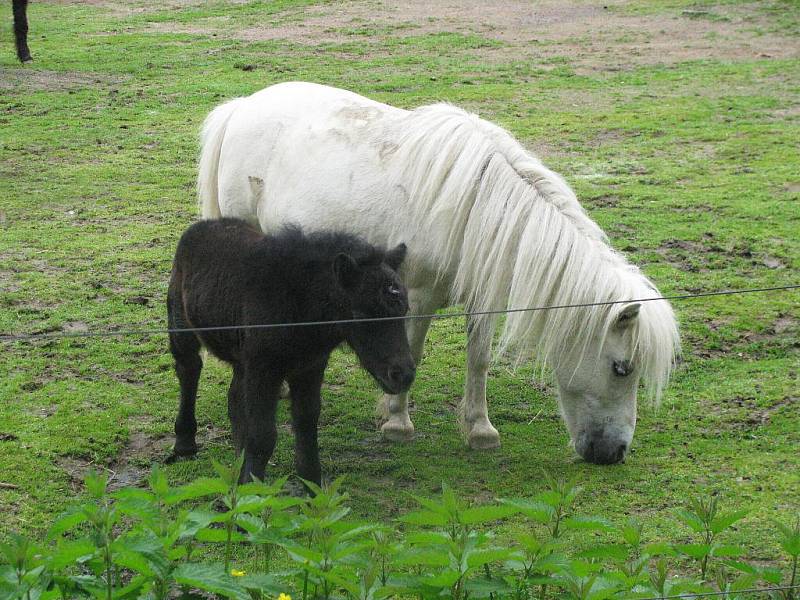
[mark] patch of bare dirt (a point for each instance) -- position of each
(783, 332)
(33, 80)
(135, 459)
(594, 36)
(745, 413)
(124, 8)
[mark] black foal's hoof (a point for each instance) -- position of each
(179, 453)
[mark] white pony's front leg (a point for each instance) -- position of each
(481, 434)
(393, 409)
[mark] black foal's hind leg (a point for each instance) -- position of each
(185, 348)
(305, 388)
(236, 409)
(20, 8)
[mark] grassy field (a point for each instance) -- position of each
(676, 122)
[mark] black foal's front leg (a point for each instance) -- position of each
(305, 390)
(261, 392)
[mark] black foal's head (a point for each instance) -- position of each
(374, 290)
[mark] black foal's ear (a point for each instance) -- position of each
(346, 271)
(394, 257)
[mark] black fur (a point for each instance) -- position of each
(228, 273)
(20, 9)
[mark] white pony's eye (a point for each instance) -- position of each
(622, 368)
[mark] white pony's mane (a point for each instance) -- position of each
(513, 235)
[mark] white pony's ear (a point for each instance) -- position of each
(628, 315)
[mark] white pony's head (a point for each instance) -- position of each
(597, 391)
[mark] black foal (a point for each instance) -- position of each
(227, 273)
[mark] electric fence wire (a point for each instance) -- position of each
(160, 331)
(729, 593)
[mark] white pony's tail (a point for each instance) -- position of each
(211, 136)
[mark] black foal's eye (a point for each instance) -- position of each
(393, 290)
(622, 368)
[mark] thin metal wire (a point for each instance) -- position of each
(731, 592)
(142, 332)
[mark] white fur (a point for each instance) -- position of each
(486, 223)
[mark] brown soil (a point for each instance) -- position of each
(34, 80)
(134, 461)
(594, 36)
(744, 413)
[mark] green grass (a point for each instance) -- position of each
(691, 168)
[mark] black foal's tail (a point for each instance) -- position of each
(20, 8)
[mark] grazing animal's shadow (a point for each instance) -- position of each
(20, 8)
(227, 274)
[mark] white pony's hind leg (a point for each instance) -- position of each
(393, 409)
(480, 433)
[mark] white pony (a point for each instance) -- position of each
(486, 225)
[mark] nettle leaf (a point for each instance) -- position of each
(445, 579)
(142, 506)
(68, 552)
(483, 587)
(96, 483)
(302, 554)
(582, 568)
(218, 535)
(422, 558)
(482, 557)
(722, 522)
(727, 551)
(532, 509)
(696, 551)
(432, 538)
(263, 583)
(485, 514)
(250, 523)
(551, 498)
(602, 589)
(587, 523)
(743, 567)
(771, 575)
(194, 521)
(632, 532)
(199, 488)
(430, 504)
(694, 522)
(260, 488)
(131, 590)
(251, 504)
(133, 561)
(449, 499)
(69, 519)
(612, 551)
(789, 538)
(210, 578)
(158, 481)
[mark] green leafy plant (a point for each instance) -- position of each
(158, 543)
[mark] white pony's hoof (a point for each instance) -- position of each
(483, 436)
(398, 430)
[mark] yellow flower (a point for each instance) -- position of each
(237, 573)
(284, 597)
